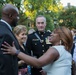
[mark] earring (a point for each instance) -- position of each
(60, 42)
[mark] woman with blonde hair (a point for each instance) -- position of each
(20, 32)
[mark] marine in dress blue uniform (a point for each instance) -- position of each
(38, 46)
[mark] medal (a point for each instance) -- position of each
(47, 41)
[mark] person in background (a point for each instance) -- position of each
(75, 36)
(37, 42)
(73, 51)
(20, 32)
(57, 60)
(9, 19)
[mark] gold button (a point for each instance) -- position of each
(42, 45)
(42, 35)
(35, 44)
(42, 50)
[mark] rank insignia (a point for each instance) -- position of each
(35, 39)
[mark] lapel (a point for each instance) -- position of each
(6, 26)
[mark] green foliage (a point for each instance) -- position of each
(50, 25)
(68, 17)
(34, 8)
(1, 1)
(17, 1)
(41, 8)
(0, 9)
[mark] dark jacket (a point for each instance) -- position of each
(34, 44)
(37, 47)
(8, 63)
(24, 51)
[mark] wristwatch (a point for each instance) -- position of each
(17, 52)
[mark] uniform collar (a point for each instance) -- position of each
(41, 32)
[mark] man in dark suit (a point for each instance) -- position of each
(8, 63)
(38, 42)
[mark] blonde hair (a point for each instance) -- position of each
(19, 28)
(65, 36)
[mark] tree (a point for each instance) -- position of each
(48, 8)
(68, 17)
(29, 9)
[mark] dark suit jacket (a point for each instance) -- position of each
(8, 63)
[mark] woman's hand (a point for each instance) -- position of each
(43, 72)
(21, 62)
(8, 48)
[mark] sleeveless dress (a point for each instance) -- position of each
(62, 66)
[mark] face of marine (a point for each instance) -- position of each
(40, 24)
